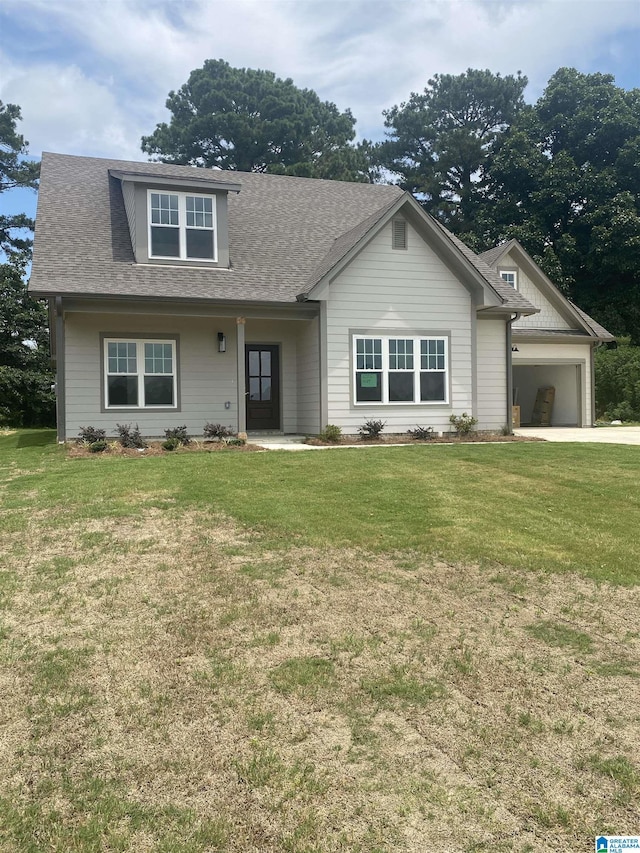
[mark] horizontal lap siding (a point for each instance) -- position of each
(207, 378)
(409, 291)
(283, 333)
(309, 378)
(492, 374)
(549, 317)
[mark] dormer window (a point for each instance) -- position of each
(511, 277)
(182, 226)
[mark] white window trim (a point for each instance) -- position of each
(140, 342)
(386, 370)
(182, 226)
(510, 271)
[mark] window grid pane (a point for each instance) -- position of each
(164, 209)
(122, 358)
(400, 354)
(432, 354)
(199, 212)
(158, 358)
(369, 353)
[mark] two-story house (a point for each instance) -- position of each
(270, 303)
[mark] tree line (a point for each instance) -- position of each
(561, 175)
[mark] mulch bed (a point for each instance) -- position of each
(154, 448)
(473, 438)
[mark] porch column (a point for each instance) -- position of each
(242, 399)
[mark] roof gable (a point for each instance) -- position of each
(513, 253)
(473, 272)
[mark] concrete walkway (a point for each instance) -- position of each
(598, 435)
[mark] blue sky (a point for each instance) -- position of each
(92, 76)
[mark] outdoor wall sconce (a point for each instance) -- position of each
(222, 342)
(515, 349)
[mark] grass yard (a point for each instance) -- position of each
(387, 649)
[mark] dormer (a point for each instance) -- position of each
(177, 221)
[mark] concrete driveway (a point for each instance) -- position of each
(599, 435)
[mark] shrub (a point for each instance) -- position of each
(331, 433)
(234, 441)
(98, 446)
(618, 383)
(217, 431)
(90, 435)
(463, 423)
(129, 436)
(421, 433)
(172, 442)
(371, 430)
(179, 433)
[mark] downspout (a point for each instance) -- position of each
(510, 373)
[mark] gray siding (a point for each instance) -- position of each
(388, 291)
(492, 373)
(128, 193)
(549, 317)
(283, 333)
(207, 378)
(309, 378)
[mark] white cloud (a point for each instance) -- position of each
(96, 74)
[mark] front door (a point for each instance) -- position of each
(263, 386)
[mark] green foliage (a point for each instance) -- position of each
(441, 140)
(179, 434)
(371, 430)
(26, 398)
(90, 434)
(618, 382)
(217, 432)
(252, 121)
(130, 436)
(331, 433)
(421, 433)
(98, 446)
(565, 183)
(463, 423)
(172, 443)
(15, 171)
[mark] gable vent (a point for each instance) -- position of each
(399, 238)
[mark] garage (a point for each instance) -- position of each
(567, 380)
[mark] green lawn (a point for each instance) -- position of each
(529, 505)
(371, 650)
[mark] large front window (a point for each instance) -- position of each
(182, 226)
(400, 370)
(140, 374)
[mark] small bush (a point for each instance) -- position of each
(371, 430)
(217, 431)
(421, 433)
(172, 443)
(98, 446)
(129, 436)
(331, 433)
(234, 441)
(463, 423)
(179, 433)
(90, 435)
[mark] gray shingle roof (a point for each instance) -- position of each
(598, 330)
(285, 233)
(280, 229)
(492, 255)
(512, 298)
